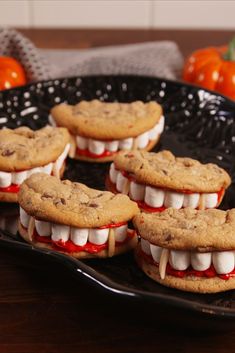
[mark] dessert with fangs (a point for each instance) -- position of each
(24, 152)
(99, 129)
(75, 219)
(157, 181)
(188, 249)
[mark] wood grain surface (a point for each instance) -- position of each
(44, 309)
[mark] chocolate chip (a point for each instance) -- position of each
(168, 238)
(46, 195)
(8, 153)
(164, 172)
(94, 205)
(63, 201)
(99, 195)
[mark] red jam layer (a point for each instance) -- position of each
(12, 189)
(87, 153)
(70, 247)
(209, 273)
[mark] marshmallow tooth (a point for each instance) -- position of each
(96, 147)
(43, 228)
(122, 183)
(179, 260)
(120, 233)
(156, 252)
(112, 146)
(201, 261)
(113, 173)
(19, 177)
(51, 120)
(223, 261)
(126, 144)
(60, 160)
(161, 124)
(154, 132)
(191, 200)
(98, 236)
(142, 140)
(33, 171)
(137, 191)
(174, 199)
(24, 218)
(60, 232)
(211, 200)
(79, 236)
(48, 168)
(145, 246)
(154, 197)
(5, 179)
(82, 142)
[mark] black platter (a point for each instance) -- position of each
(199, 124)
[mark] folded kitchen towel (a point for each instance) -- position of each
(161, 58)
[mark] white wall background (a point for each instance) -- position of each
(218, 14)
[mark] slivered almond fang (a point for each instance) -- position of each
(111, 249)
(163, 262)
(31, 228)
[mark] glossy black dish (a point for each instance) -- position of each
(199, 124)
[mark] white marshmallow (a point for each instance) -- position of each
(96, 147)
(43, 228)
(111, 146)
(60, 160)
(137, 191)
(191, 200)
(174, 199)
(60, 232)
(47, 168)
(211, 200)
(113, 173)
(79, 236)
(82, 142)
(154, 197)
(33, 171)
(5, 179)
(51, 120)
(179, 260)
(201, 261)
(145, 246)
(156, 252)
(126, 144)
(142, 140)
(223, 261)
(98, 236)
(24, 218)
(161, 124)
(120, 233)
(19, 177)
(122, 183)
(153, 133)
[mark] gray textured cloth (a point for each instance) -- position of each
(161, 58)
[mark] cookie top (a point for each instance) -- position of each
(47, 198)
(103, 121)
(164, 170)
(23, 148)
(189, 229)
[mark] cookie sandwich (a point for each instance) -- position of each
(24, 152)
(188, 249)
(75, 219)
(157, 181)
(99, 129)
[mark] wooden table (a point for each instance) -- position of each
(43, 309)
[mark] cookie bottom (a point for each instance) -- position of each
(120, 249)
(12, 197)
(150, 145)
(189, 283)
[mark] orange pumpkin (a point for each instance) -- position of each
(11, 73)
(213, 68)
